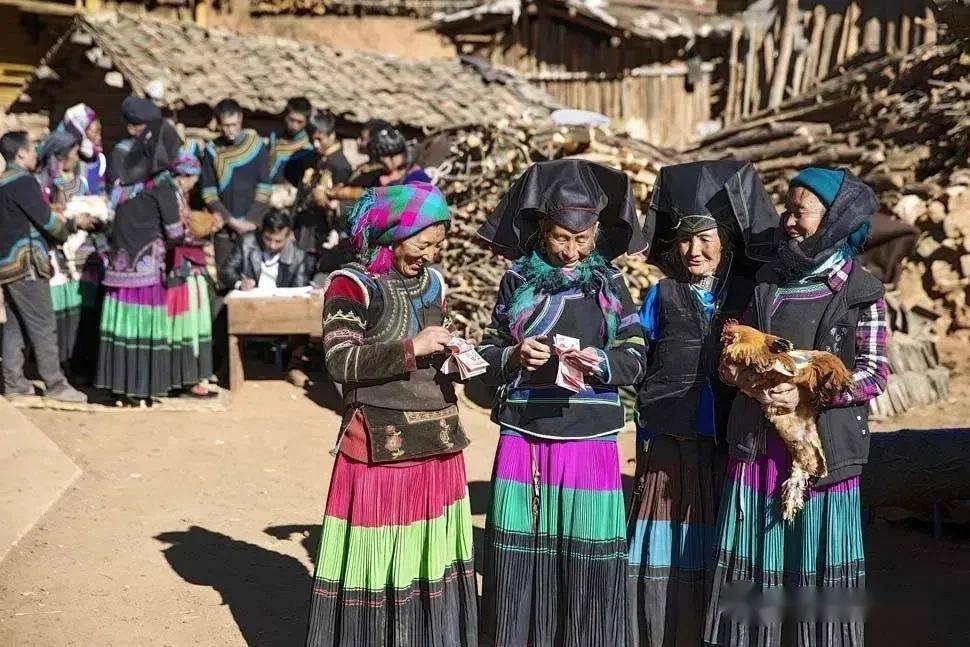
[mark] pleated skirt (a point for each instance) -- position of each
(672, 541)
(777, 583)
(134, 354)
(395, 565)
(555, 562)
(190, 317)
(77, 311)
(66, 299)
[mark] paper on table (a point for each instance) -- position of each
(262, 293)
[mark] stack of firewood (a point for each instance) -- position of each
(901, 123)
(479, 167)
(895, 121)
(937, 276)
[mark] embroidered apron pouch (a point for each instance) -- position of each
(394, 435)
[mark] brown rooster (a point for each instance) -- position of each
(765, 361)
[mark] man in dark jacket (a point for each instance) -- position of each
(270, 259)
(266, 259)
(26, 226)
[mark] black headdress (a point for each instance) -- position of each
(687, 197)
(573, 193)
(154, 151)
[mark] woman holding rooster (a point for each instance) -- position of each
(801, 582)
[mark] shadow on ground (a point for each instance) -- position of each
(267, 592)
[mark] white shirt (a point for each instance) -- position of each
(269, 271)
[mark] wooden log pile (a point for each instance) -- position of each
(479, 166)
(895, 121)
(916, 377)
(902, 123)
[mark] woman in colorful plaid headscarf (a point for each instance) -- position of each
(395, 564)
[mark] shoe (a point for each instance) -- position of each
(190, 393)
(66, 393)
(15, 395)
(297, 378)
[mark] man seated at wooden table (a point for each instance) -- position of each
(268, 259)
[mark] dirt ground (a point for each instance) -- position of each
(198, 529)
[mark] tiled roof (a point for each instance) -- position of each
(201, 66)
(645, 22)
(419, 8)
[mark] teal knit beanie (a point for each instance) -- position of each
(824, 183)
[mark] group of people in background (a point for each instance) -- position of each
(128, 298)
(702, 555)
(135, 249)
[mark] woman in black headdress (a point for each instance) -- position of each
(134, 358)
(555, 544)
(714, 224)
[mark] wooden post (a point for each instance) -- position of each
(202, 13)
(854, 31)
(847, 19)
(872, 35)
(236, 374)
(891, 13)
(749, 70)
(905, 27)
(769, 56)
(732, 90)
(787, 44)
(828, 46)
(814, 43)
(929, 27)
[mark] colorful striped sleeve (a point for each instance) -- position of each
(168, 208)
(497, 340)
(210, 183)
(623, 361)
(264, 188)
(348, 357)
(30, 199)
(871, 370)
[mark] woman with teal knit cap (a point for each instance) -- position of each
(802, 582)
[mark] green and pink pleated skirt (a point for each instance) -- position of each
(778, 583)
(190, 317)
(76, 310)
(395, 566)
(555, 562)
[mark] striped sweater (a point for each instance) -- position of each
(27, 225)
(289, 157)
(235, 177)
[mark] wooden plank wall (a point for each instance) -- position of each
(623, 79)
(767, 66)
(668, 108)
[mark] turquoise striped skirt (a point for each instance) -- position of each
(803, 579)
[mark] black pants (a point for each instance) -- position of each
(30, 317)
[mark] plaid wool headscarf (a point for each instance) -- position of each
(186, 164)
(387, 215)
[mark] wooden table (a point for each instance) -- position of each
(269, 316)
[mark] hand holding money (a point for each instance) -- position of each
(463, 359)
(586, 361)
(569, 374)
